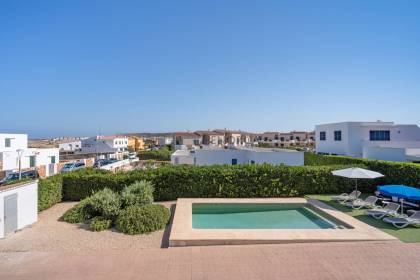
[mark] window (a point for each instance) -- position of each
(282, 139)
(265, 138)
(234, 161)
(276, 137)
(196, 142)
(7, 142)
(291, 137)
(322, 136)
(31, 161)
(297, 138)
(252, 162)
(337, 135)
(53, 159)
(379, 135)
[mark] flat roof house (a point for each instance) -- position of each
(237, 155)
(15, 146)
(375, 140)
(211, 138)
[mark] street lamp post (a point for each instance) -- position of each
(20, 153)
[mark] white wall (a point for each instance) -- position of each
(292, 158)
(222, 156)
(70, 146)
(18, 141)
(385, 153)
(329, 145)
(43, 157)
(245, 156)
(27, 205)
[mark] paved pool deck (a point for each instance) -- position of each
(183, 234)
(368, 260)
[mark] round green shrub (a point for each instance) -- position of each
(106, 203)
(137, 219)
(100, 223)
(79, 213)
(139, 193)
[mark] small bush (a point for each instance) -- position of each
(100, 223)
(79, 213)
(139, 193)
(106, 203)
(136, 219)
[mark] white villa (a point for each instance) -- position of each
(374, 140)
(237, 155)
(15, 146)
(105, 146)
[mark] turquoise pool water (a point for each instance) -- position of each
(257, 216)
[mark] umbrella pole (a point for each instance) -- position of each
(356, 186)
(402, 206)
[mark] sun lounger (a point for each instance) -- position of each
(402, 222)
(369, 202)
(344, 197)
(389, 210)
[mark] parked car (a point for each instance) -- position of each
(132, 155)
(102, 162)
(15, 176)
(72, 166)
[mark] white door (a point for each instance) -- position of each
(10, 213)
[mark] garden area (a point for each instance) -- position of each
(119, 200)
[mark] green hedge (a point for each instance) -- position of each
(172, 182)
(395, 172)
(161, 154)
(49, 191)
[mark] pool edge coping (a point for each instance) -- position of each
(182, 233)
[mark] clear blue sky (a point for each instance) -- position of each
(79, 67)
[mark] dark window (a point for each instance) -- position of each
(7, 142)
(276, 137)
(234, 161)
(252, 162)
(282, 139)
(337, 135)
(379, 135)
(32, 161)
(276, 144)
(297, 138)
(53, 159)
(265, 138)
(322, 136)
(291, 137)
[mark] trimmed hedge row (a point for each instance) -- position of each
(49, 191)
(395, 172)
(172, 182)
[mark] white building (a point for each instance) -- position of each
(375, 140)
(233, 156)
(18, 207)
(105, 146)
(15, 146)
(70, 146)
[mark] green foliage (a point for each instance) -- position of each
(138, 193)
(49, 191)
(171, 182)
(106, 203)
(395, 172)
(136, 219)
(100, 223)
(163, 154)
(79, 213)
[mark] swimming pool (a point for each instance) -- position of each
(257, 216)
(234, 221)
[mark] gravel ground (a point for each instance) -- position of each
(50, 234)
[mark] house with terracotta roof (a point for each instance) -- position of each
(211, 138)
(186, 140)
